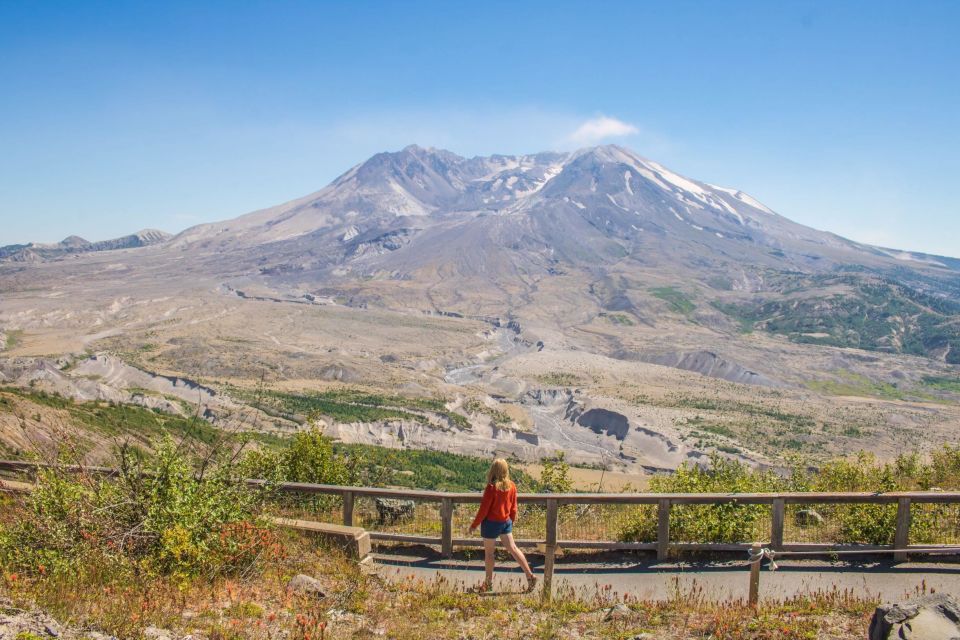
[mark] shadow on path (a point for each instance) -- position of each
(612, 563)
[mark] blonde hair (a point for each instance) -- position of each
(499, 474)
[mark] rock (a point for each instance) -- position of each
(306, 584)
(156, 633)
(807, 518)
(642, 636)
(390, 510)
(346, 618)
(933, 617)
(617, 612)
(51, 630)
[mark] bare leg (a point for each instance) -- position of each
(507, 540)
(488, 557)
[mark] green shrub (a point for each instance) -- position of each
(308, 457)
(727, 522)
(161, 516)
(555, 477)
(848, 523)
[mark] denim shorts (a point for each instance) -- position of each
(492, 530)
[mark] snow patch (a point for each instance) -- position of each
(676, 180)
(614, 202)
(751, 201)
(745, 198)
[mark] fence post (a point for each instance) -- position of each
(755, 552)
(550, 548)
(348, 508)
(663, 529)
(776, 524)
(446, 527)
(901, 538)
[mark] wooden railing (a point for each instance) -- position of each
(663, 501)
(663, 545)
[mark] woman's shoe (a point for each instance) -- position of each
(531, 583)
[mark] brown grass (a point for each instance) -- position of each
(356, 605)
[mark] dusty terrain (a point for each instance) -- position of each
(593, 303)
(124, 334)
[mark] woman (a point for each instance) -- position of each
(497, 513)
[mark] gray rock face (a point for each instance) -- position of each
(933, 617)
(391, 511)
(606, 422)
(712, 365)
(16, 623)
(157, 633)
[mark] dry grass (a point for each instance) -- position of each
(356, 605)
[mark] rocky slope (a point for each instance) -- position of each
(485, 236)
(36, 252)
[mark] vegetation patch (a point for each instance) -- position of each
(559, 379)
(434, 470)
(353, 405)
(499, 418)
(14, 338)
(718, 418)
(865, 312)
(942, 383)
(841, 523)
(677, 301)
(122, 420)
(855, 384)
(619, 319)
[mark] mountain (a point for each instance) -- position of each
(592, 302)
(492, 236)
(35, 252)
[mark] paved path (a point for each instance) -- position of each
(644, 578)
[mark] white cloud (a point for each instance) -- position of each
(601, 128)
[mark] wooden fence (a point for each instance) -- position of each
(663, 502)
(663, 546)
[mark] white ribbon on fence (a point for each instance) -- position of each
(764, 552)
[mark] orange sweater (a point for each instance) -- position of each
(497, 506)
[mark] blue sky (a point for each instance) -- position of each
(117, 116)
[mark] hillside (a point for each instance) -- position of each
(593, 302)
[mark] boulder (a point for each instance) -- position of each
(157, 633)
(807, 518)
(617, 612)
(306, 584)
(933, 617)
(391, 510)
